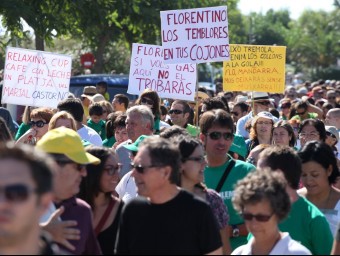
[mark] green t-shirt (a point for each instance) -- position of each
(98, 127)
(23, 128)
(109, 142)
(212, 176)
(308, 226)
(193, 130)
(309, 115)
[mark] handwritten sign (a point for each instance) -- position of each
(195, 35)
(35, 78)
(148, 70)
(255, 68)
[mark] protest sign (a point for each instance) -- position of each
(255, 68)
(35, 78)
(148, 70)
(195, 35)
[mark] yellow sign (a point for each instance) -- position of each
(258, 68)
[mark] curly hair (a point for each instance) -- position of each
(260, 185)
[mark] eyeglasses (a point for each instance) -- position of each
(258, 217)
(175, 111)
(17, 193)
(112, 170)
(264, 123)
(79, 167)
(141, 169)
(234, 113)
(147, 101)
(199, 159)
(251, 160)
(218, 135)
(39, 123)
(310, 135)
(263, 103)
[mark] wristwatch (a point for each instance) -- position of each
(236, 231)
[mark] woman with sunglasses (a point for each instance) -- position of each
(151, 99)
(97, 189)
(285, 106)
(191, 179)
(263, 202)
(319, 173)
(40, 118)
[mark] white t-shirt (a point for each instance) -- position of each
(333, 217)
(87, 133)
(126, 188)
(286, 246)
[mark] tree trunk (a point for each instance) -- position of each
(39, 43)
(99, 54)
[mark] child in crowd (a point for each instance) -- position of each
(95, 121)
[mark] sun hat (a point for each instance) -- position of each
(98, 97)
(257, 96)
(333, 130)
(266, 115)
(239, 146)
(89, 91)
(134, 146)
(66, 141)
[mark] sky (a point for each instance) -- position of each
(296, 7)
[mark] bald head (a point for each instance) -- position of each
(333, 117)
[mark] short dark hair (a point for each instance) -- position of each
(40, 164)
(243, 106)
(172, 131)
(322, 154)
(318, 125)
(90, 185)
(217, 117)
(122, 99)
(158, 148)
(109, 125)
(215, 103)
(96, 109)
(301, 104)
(73, 106)
(5, 134)
(285, 159)
(120, 121)
(263, 184)
(185, 105)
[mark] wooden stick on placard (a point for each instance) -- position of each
(197, 102)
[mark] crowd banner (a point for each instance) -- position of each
(35, 78)
(148, 70)
(195, 35)
(258, 68)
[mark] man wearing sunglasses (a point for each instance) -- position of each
(305, 223)
(217, 135)
(179, 114)
(66, 148)
(26, 193)
(165, 219)
(259, 102)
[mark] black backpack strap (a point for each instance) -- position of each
(225, 175)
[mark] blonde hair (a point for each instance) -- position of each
(62, 115)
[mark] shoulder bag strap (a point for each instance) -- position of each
(225, 175)
(104, 217)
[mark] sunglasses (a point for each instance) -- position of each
(17, 193)
(218, 135)
(112, 170)
(39, 123)
(263, 103)
(147, 101)
(258, 217)
(286, 106)
(301, 113)
(79, 167)
(199, 159)
(175, 111)
(234, 113)
(141, 169)
(331, 135)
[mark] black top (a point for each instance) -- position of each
(183, 225)
(107, 238)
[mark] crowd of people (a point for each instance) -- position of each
(231, 173)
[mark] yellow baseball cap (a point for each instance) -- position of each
(66, 141)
